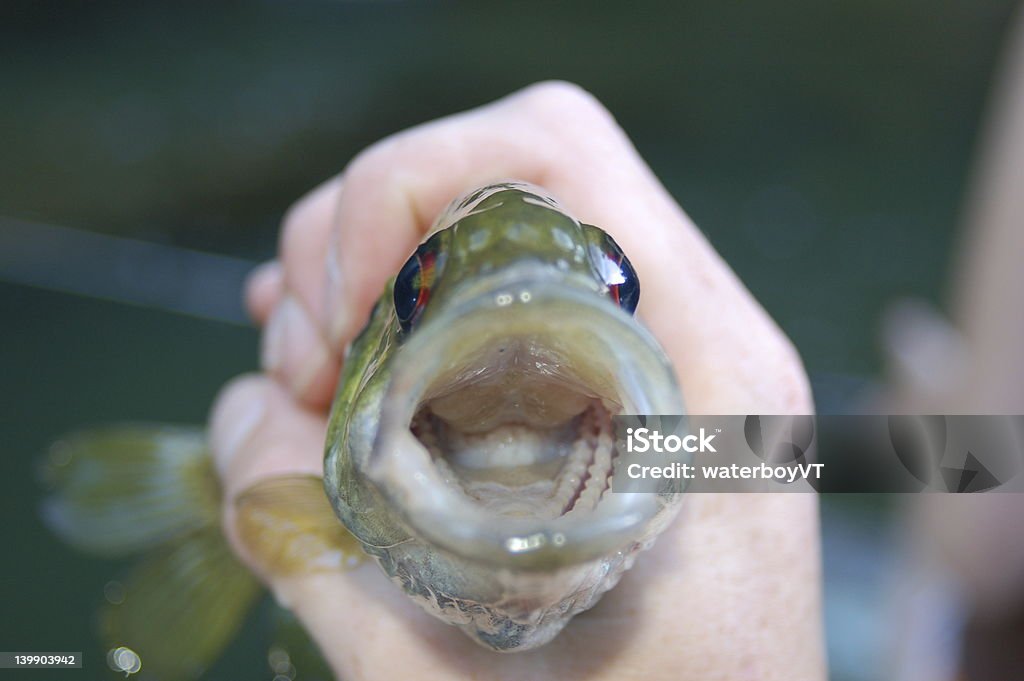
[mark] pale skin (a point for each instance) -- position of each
(731, 591)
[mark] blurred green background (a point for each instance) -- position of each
(823, 147)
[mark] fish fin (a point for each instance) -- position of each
(288, 526)
(124, 488)
(182, 604)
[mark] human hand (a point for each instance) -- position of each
(731, 590)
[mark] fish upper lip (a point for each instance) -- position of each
(524, 276)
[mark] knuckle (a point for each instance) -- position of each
(565, 99)
(308, 215)
(560, 92)
(239, 387)
(371, 164)
(291, 225)
(233, 401)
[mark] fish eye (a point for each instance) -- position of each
(617, 273)
(414, 281)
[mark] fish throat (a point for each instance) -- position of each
(521, 441)
(520, 470)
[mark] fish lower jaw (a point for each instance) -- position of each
(518, 471)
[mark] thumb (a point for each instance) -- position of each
(260, 437)
(257, 431)
(267, 452)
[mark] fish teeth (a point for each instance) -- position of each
(598, 474)
(572, 474)
(566, 489)
(582, 481)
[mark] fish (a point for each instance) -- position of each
(470, 448)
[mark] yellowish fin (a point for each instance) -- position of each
(288, 526)
(127, 489)
(121, 489)
(181, 606)
(152, 489)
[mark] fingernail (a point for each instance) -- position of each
(337, 312)
(262, 287)
(275, 335)
(293, 349)
(264, 275)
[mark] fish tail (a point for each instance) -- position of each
(152, 490)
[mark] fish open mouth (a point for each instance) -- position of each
(519, 430)
(497, 424)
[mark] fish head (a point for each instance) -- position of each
(473, 446)
(508, 232)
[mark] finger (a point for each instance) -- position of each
(293, 349)
(558, 136)
(295, 353)
(313, 246)
(268, 454)
(263, 289)
(552, 134)
(258, 432)
(305, 233)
